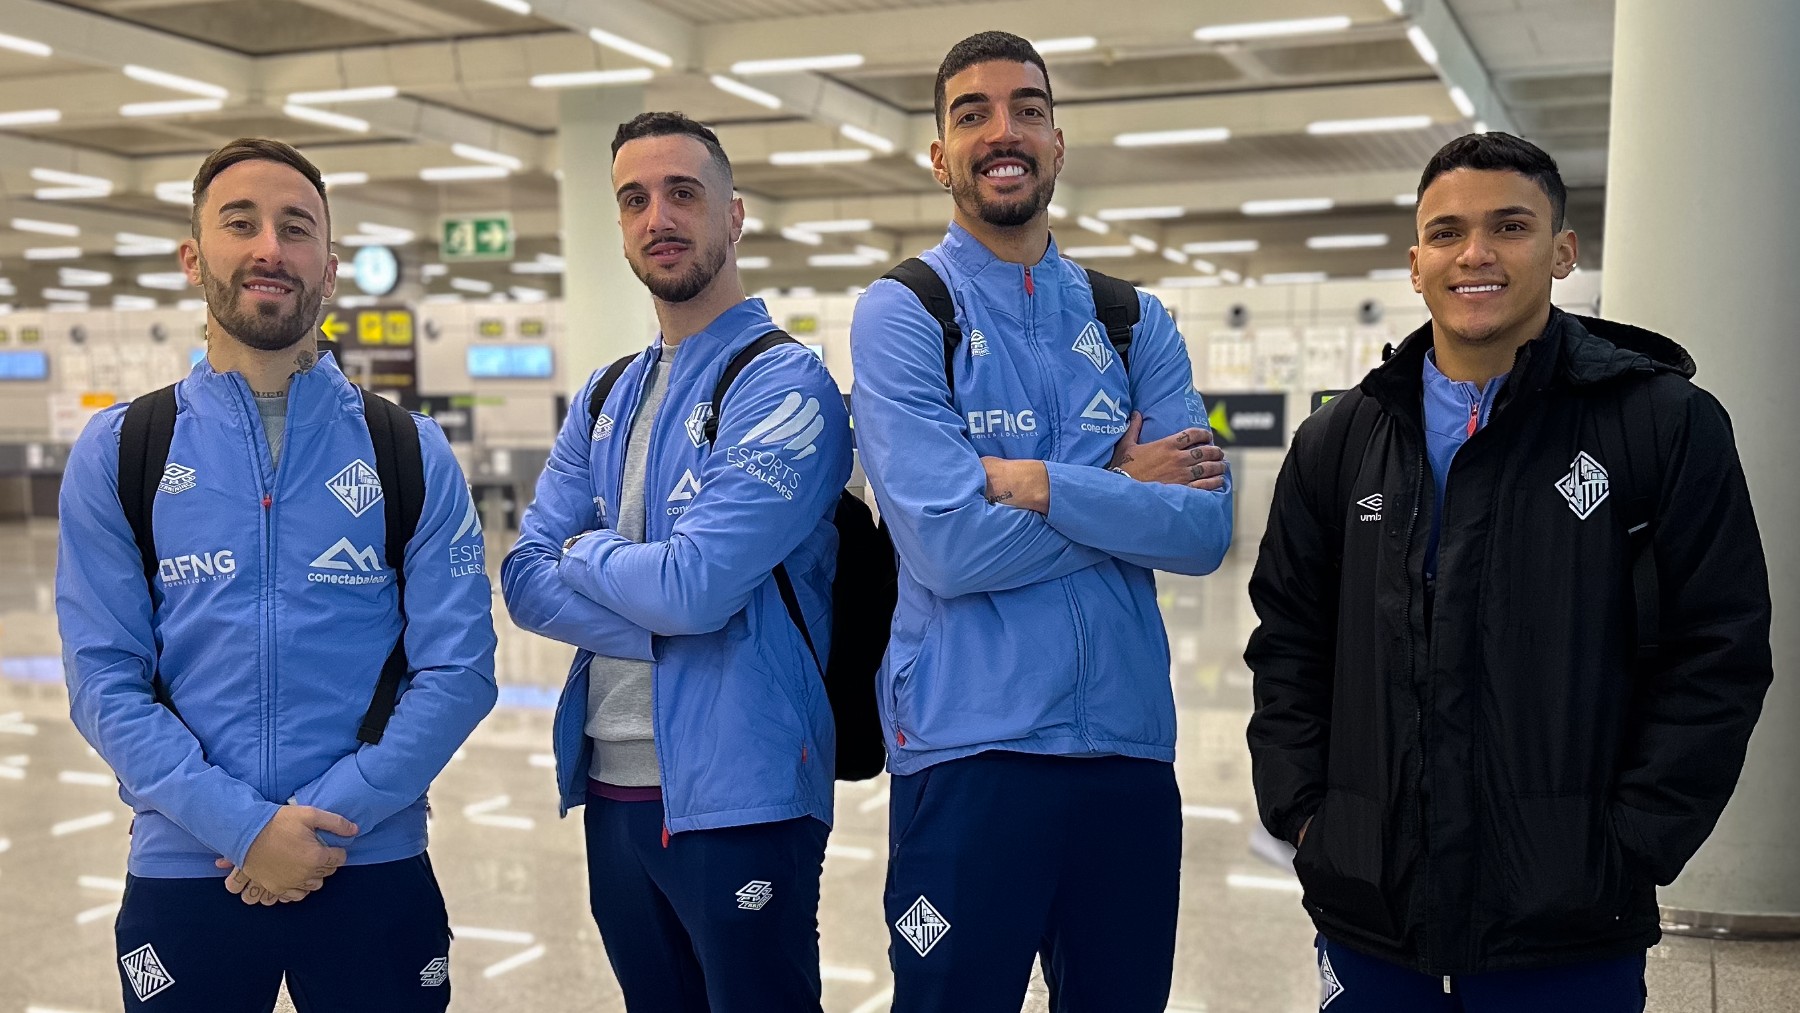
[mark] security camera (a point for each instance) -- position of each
(432, 330)
(1370, 311)
(159, 333)
(1238, 316)
(77, 334)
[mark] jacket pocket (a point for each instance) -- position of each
(1559, 875)
(1341, 861)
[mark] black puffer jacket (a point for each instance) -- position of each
(1493, 780)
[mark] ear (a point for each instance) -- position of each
(1566, 248)
(737, 219)
(1059, 151)
(938, 172)
(331, 269)
(189, 254)
(1412, 261)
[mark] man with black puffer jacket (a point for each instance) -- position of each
(1514, 629)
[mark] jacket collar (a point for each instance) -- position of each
(205, 385)
(971, 257)
(728, 332)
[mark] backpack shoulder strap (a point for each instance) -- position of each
(144, 439)
(1347, 432)
(401, 466)
(1630, 444)
(608, 380)
(918, 276)
(733, 368)
(1116, 306)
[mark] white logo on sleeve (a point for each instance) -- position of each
(1329, 985)
(1585, 487)
(468, 553)
(176, 479)
(146, 972)
(1372, 507)
(795, 423)
(435, 973)
(755, 895)
(977, 343)
(358, 487)
(1092, 344)
(921, 926)
(603, 427)
(696, 423)
(1104, 408)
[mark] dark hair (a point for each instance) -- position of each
(254, 149)
(665, 124)
(1501, 152)
(983, 47)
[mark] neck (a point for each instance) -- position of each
(1472, 362)
(265, 372)
(1015, 244)
(682, 320)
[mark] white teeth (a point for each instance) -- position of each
(1007, 170)
(1478, 288)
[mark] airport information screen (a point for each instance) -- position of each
(509, 362)
(24, 364)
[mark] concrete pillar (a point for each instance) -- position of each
(1700, 206)
(606, 311)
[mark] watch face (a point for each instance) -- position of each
(377, 270)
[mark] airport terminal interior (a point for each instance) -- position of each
(1254, 165)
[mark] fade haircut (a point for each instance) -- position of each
(254, 149)
(665, 124)
(1496, 151)
(983, 47)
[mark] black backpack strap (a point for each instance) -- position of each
(733, 368)
(918, 276)
(1630, 444)
(1116, 306)
(786, 586)
(401, 466)
(608, 380)
(144, 439)
(1347, 433)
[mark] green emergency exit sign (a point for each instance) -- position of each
(476, 237)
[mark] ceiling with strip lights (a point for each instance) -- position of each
(1200, 147)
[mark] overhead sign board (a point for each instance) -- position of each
(1247, 420)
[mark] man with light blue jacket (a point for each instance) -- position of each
(230, 665)
(1026, 692)
(665, 535)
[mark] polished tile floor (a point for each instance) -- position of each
(514, 876)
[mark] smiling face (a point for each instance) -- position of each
(999, 153)
(262, 254)
(677, 214)
(1488, 250)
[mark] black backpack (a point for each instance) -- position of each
(1115, 304)
(863, 593)
(149, 429)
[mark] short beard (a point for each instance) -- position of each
(966, 191)
(264, 329)
(685, 286)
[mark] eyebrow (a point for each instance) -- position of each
(675, 180)
(246, 204)
(1514, 211)
(975, 96)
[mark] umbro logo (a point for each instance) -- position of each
(696, 423)
(795, 422)
(922, 926)
(435, 973)
(1096, 348)
(1371, 507)
(176, 479)
(603, 427)
(146, 972)
(755, 895)
(1586, 485)
(358, 487)
(977, 343)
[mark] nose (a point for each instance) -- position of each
(266, 247)
(1003, 127)
(657, 217)
(1477, 252)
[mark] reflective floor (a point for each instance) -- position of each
(515, 881)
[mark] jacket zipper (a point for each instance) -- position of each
(1412, 526)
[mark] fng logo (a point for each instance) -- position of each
(200, 568)
(999, 422)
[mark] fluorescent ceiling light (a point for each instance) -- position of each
(171, 281)
(869, 137)
(1396, 6)
(81, 277)
(474, 154)
(174, 107)
(1223, 246)
(65, 295)
(26, 46)
(71, 179)
(175, 191)
(174, 81)
(623, 45)
(69, 192)
(1405, 200)
(1271, 29)
(1058, 211)
(829, 156)
(801, 236)
(1099, 252)
(324, 118)
(1153, 138)
(1461, 100)
(394, 232)
(1391, 274)
(471, 285)
(1295, 205)
(733, 86)
(1373, 125)
(873, 252)
(525, 293)
(45, 228)
(1073, 44)
(1230, 277)
(802, 292)
(451, 173)
(1173, 255)
(534, 268)
(1093, 224)
(840, 61)
(345, 178)
(1138, 214)
(351, 302)
(1354, 242)
(837, 260)
(364, 239)
(135, 239)
(753, 223)
(30, 117)
(1295, 278)
(1422, 43)
(191, 305)
(924, 162)
(53, 253)
(442, 297)
(1203, 266)
(1189, 281)
(840, 225)
(370, 94)
(133, 302)
(1144, 243)
(430, 271)
(581, 78)
(516, 6)
(753, 263)
(1481, 126)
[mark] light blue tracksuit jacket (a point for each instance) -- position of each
(1015, 630)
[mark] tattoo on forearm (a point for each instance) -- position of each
(1000, 497)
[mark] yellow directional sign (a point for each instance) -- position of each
(334, 328)
(369, 330)
(399, 327)
(491, 328)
